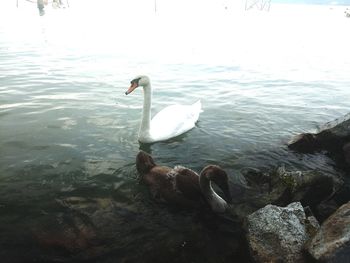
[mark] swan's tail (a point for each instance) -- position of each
(197, 109)
(144, 162)
(198, 105)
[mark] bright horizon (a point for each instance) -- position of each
(253, 38)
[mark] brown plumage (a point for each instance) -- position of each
(179, 185)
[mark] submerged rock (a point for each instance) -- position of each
(309, 187)
(81, 228)
(105, 230)
(334, 137)
(281, 187)
(71, 235)
(332, 242)
(277, 234)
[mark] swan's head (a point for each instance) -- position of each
(144, 162)
(217, 175)
(137, 82)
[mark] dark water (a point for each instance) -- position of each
(68, 139)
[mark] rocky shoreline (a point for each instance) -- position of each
(281, 216)
(304, 220)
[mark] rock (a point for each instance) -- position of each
(332, 241)
(332, 137)
(312, 225)
(72, 235)
(304, 143)
(281, 187)
(325, 209)
(265, 188)
(81, 228)
(308, 187)
(277, 234)
(346, 150)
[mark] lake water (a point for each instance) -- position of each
(68, 133)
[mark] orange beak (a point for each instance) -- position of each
(132, 87)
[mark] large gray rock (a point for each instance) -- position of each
(277, 234)
(332, 241)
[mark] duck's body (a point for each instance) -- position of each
(182, 186)
(170, 122)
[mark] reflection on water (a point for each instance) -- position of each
(69, 189)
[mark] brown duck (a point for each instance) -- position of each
(182, 186)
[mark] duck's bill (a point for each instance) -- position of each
(131, 89)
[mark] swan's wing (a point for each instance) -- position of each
(165, 187)
(174, 120)
(187, 182)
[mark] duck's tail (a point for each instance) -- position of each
(144, 162)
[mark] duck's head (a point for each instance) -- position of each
(137, 82)
(217, 175)
(144, 162)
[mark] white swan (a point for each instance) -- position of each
(183, 187)
(169, 122)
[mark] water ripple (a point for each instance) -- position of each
(69, 133)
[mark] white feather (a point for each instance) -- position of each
(170, 122)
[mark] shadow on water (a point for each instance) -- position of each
(107, 218)
(82, 210)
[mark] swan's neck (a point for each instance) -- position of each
(146, 112)
(216, 203)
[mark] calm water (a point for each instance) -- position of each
(68, 136)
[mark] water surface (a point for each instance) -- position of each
(69, 134)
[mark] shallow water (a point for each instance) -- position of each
(68, 131)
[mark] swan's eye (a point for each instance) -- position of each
(135, 81)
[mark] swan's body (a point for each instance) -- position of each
(182, 186)
(170, 122)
